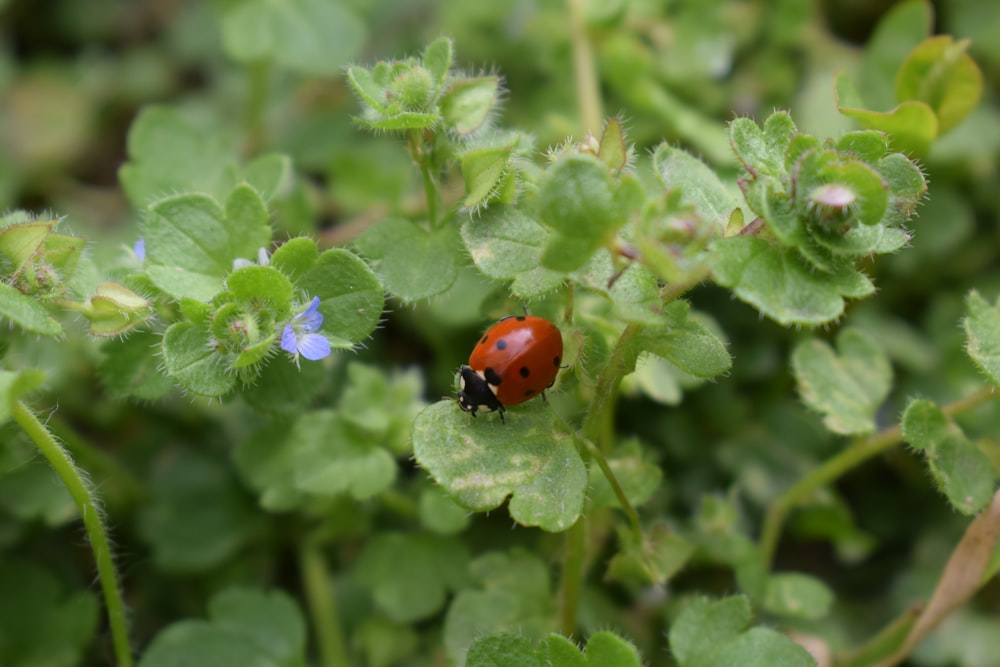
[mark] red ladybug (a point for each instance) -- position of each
(515, 360)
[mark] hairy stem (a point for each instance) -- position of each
(857, 453)
(633, 516)
(621, 363)
(419, 153)
(572, 575)
(89, 508)
(322, 605)
(588, 94)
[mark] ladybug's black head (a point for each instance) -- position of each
(476, 393)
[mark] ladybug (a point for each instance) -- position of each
(515, 360)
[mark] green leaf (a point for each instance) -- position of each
(191, 241)
(483, 169)
(434, 566)
(295, 257)
(912, 126)
(440, 514)
(506, 650)
(468, 103)
(656, 560)
(190, 360)
(481, 464)
(30, 489)
(385, 644)
(699, 185)
(270, 175)
(40, 622)
(14, 385)
(797, 595)
(941, 73)
(266, 462)
(898, 32)
(22, 241)
(130, 367)
(331, 458)
(247, 627)
(576, 200)
(711, 634)
(437, 58)
(381, 404)
(199, 517)
(760, 647)
(685, 342)
(959, 467)
(26, 312)
(704, 625)
(982, 330)
(413, 263)
(780, 285)
(847, 386)
(506, 243)
(604, 649)
(256, 284)
(282, 387)
(637, 477)
(512, 594)
(351, 296)
(307, 36)
(762, 152)
(168, 154)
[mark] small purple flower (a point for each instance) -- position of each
(139, 248)
(300, 338)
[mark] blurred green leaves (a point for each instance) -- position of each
(308, 36)
(245, 627)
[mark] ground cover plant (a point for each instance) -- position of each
(246, 245)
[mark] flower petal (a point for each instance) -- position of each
(314, 347)
(289, 343)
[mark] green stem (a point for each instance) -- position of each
(585, 70)
(254, 126)
(322, 605)
(90, 511)
(857, 453)
(572, 575)
(419, 153)
(633, 516)
(621, 363)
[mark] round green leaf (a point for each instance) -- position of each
(482, 463)
(188, 358)
(846, 386)
(415, 264)
(779, 284)
(351, 297)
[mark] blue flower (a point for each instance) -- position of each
(139, 248)
(300, 338)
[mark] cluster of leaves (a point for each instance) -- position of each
(395, 514)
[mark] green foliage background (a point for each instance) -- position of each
(286, 521)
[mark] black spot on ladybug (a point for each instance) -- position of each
(525, 371)
(529, 392)
(520, 318)
(556, 361)
(492, 377)
(483, 339)
(501, 344)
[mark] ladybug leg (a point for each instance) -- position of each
(545, 399)
(500, 411)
